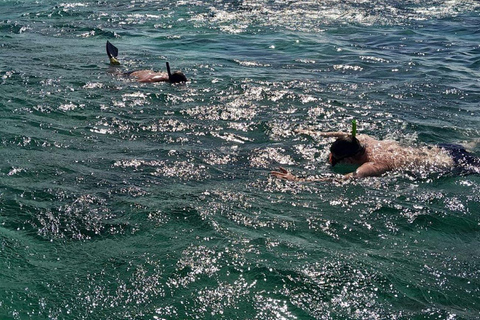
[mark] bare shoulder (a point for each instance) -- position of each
(370, 141)
(141, 73)
(149, 76)
(380, 151)
(366, 140)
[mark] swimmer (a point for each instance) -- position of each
(146, 75)
(376, 157)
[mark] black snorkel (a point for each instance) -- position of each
(169, 72)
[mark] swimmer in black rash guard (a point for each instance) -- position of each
(146, 75)
(374, 157)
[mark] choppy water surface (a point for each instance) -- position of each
(121, 200)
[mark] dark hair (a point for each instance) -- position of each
(177, 77)
(345, 147)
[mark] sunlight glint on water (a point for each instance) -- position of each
(154, 201)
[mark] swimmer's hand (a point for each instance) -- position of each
(286, 175)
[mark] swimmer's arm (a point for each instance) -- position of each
(160, 78)
(311, 133)
(157, 78)
(149, 76)
(370, 169)
(287, 175)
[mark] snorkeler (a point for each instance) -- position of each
(146, 75)
(374, 157)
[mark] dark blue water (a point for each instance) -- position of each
(121, 200)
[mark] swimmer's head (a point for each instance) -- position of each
(345, 147)
(175, 77)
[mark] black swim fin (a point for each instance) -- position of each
(112, 53)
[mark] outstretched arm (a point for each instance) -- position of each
(369, 169)
(287, 175)
(311, 133)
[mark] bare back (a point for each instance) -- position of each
(149, 76)
(390, 155)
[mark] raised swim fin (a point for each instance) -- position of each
(112, 53)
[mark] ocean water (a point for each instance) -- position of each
(121, 200)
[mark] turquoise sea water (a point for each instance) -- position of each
(121, 200)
